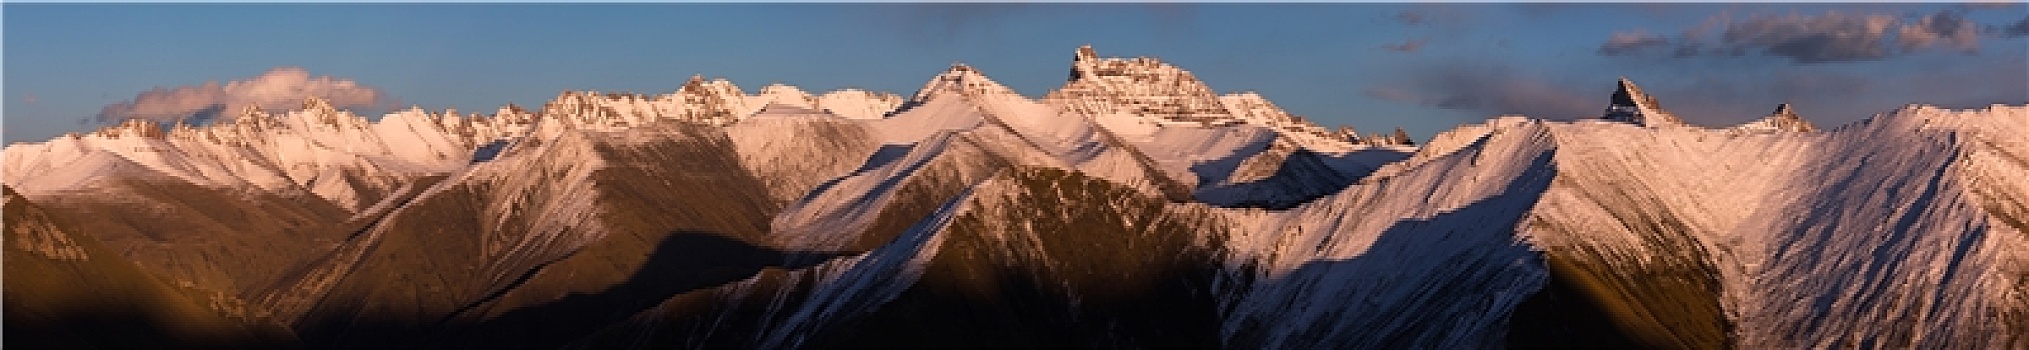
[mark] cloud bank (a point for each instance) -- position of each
(1831, 37)
(281, 88)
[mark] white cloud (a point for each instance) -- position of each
(281, 88)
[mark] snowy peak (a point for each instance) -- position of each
(318, 113)
(706, 101)
(1135, 97)
(859, 104)
(1397, 138)
(318, 104)
(715, 101)
(963, 80)
(586, 108)
(697, 86)
(1346, 132)
(1632, 105)
(779, 93)
(132, 128)
(1783, 119)
(1251, 108)
(1627, 94)
(1140, 86)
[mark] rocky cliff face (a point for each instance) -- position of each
(1632, 105)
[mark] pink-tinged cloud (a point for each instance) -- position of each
(281, 88)
(1949, 29)
(1626, 42)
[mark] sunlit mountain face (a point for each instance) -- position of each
(1134, 207)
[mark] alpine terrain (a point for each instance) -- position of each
(1133, 207)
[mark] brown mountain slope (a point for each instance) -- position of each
(66, 290)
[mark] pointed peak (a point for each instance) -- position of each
(698, 84)
(962, 79)
(135, 127)
(510, 108)
(1396, 138)
(1085, 53)
(575, 96)
(959, 68)
(1627, 93)
(314, 103)
(1783, 119)
(252, 110)
(1630, 104)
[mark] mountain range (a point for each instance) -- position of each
(1134, 207)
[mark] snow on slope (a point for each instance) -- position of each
(1254, 109)
(851, 287)
(795, 149)
(942, 140)
(1900, 231)
(1897, 242)
(1066, 140)
(333, 154)
(859, 104)
(1202, 156)
(1141, 100)
(1426, 259)
(716, 102)
(1862, 236)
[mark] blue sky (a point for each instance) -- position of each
(1423, 67)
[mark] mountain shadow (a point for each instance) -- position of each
(683, 262)
(66, 290)
(1124, 275)
(1442, 282)
(488, 151)
(1302, 176)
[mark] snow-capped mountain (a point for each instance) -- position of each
(1632, 105)
(1133, 207)
(1783, 119)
